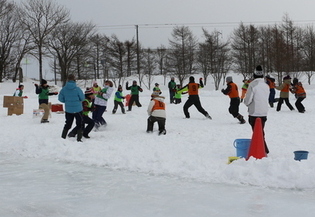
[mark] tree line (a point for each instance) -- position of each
(44, 30)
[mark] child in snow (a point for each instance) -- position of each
(19, 91)
(156, 112)
(118, 100)
(300, 94)
(284, 93)
(135, 89)
(272, 92)
(43, 93)
(193, 99)
(178, 95)
(87, 108)
(232, 91)
(100, 103)
(157, 89)
(244, 88)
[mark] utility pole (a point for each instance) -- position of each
(138, 55)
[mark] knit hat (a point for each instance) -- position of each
(43, 81)
(258, 73)
(191, 79)
(286, 77)
(229, 79)
(88, 92)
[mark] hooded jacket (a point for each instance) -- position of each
(284, 88)
(156, 107)
(72, 96)
(256, 98)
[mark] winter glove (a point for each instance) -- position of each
(55, 93)
(222, 90)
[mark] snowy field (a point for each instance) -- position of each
(191, 159)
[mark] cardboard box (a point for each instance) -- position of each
(17, 111)
(13, 101)
(56, 107)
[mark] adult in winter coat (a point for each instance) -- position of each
(100, 103)
(272, 92)
(232, 91)
(43, 93)
(172, 89)
(87, 105)
(284, 93)
(72, 96)
(193, 98)
(156, 112)
(118, 100)
(300, 94)
(135, 89)
(256, 100)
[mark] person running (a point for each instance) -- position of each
(232, 91)
(72, 96)
(43, 93)
(272, 92)
(193, 98)
(118, 100)
(87, 108)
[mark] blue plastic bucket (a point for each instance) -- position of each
(242, 147)
(300, 155)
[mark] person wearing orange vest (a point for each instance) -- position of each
(193, 98)
(272, 92)
(300, 94)
(232, 91)
(284, 93)
(156, 112)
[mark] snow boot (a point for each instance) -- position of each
(79, 135)
(241, 119)
(64, 133)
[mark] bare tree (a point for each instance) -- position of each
(66, 42)
(148, 66)
(181, 56)
(309, 52)
(40, 18)
(161, 54)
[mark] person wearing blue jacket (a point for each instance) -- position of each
(72, 96)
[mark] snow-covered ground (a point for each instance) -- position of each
(186, 167)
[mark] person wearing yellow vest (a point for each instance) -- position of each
(156, 112)
(300, 94)
(193, 98)
(87, 104)
(96, 88)
(284, 93)
(232, 91)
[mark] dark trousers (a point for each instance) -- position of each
(152, 120)
(252, 120)
(78, 120)
(97, 115)
(172, 94)
(134, 98)
(177, 100)
(286, 100)
(116, 104)
(234, 106)
(272, 94)
(300, 107)
(193, 100)
(86, 129)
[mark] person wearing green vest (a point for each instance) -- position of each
(172, 89)
(19, 91)
(135, 89)
(178, 94)
(43, 93)
(87, 104)
(118, 100)
(156, 89)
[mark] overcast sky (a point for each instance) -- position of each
(156, 18)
